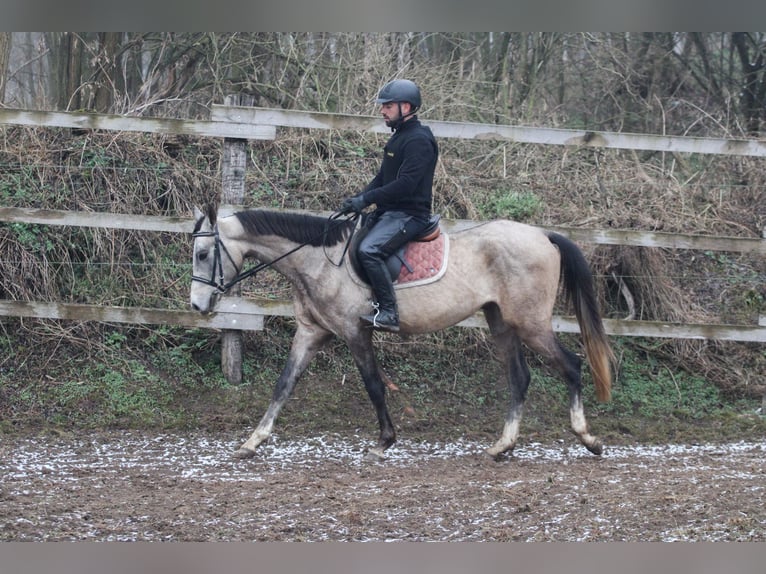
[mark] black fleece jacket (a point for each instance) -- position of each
(406, 174)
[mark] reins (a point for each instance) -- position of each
(222, 287)
(353, 217)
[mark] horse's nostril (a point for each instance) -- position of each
(195, 306)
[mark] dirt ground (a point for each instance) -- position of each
(187, 487)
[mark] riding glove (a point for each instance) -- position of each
(356, 204)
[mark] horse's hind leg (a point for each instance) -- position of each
(576, 410)
(515, 367)
(569, 365)
(308, 340)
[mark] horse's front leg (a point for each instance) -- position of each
(364, 357)
(308, 340)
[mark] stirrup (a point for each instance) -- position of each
(373, 320)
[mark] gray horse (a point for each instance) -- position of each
(508, 270)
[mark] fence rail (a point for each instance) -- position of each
(228, 316)
(518, 134)
(205, 128)
(594, 236)
(260, 123)
(235, 313)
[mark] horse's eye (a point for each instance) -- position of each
(202, 255)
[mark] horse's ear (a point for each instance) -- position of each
(212, 213)
(198, 213)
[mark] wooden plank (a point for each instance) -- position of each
(666, 240)
(255, 306)
(261, 123)
(98, 220)
(136, 315)
(658, 329)
(248, 314)
(594, 236)
(518, 134)
(203, 128)
(299, 119)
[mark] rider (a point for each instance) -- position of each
(401, 192)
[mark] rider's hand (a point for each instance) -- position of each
(355, 204)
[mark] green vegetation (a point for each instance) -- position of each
(519, 206)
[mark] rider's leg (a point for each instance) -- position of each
(391, 230)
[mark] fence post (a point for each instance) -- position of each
(233, 192)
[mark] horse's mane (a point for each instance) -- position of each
(298, 227)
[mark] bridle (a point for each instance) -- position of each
(218, 283)
(222, 286)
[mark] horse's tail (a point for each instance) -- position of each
(578, 284)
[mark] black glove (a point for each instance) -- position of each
(356, 204)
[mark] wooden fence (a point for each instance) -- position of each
(236, 123)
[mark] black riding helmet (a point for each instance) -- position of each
(400, 91)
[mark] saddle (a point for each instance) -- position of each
(420, 261)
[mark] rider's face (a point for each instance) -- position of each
(390, 111)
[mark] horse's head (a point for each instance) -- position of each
(213, 266)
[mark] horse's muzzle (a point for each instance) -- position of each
(205, 307)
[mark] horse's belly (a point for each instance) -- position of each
(438, 305)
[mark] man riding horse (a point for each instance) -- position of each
(401, 192)
(515, 284)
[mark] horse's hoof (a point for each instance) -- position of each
(243, 453)
(497, 453)
(496, 456)
(596, 448)
(374, 455)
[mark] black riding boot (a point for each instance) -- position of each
(385, 315)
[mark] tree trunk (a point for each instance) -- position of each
(752, 68)
(107, 82)
(5, 55)
(66, 63)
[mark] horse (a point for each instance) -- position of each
(509, 270)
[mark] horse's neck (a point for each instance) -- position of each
(299, 264)
(306, 268)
